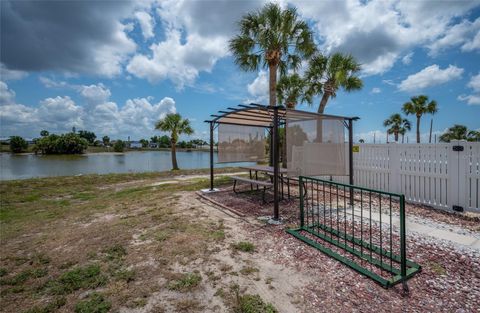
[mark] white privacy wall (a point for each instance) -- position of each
(430, 174)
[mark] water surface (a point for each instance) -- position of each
(29, 165)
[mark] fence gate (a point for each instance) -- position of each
(360, 227)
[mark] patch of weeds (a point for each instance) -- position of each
(67, 265)
(18, 279)
(247, 270)
(437, 268)
(39, 272)
(50, 307)
(253, 304)
(14, 289)
(244, 246)
(138, 303)
(82, 277)
(40, 259)
(225, 267)
(96, 303)
(220, 293)
(84, 196)
(125, 275)
(218, 234)
(185, 283)
(3, 272)
(162, 235)
(115, 252)
(142, 237)
(188, 305)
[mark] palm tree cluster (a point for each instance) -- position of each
(460, 132)
(277, 39)
(397, 125)
(418, 106)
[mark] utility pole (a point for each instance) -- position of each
(430, 137)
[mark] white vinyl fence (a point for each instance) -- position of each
(442, 175)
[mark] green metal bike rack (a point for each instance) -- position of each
(348, 223)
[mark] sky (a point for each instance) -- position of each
(116, 67)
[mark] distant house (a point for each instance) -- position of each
(153, 145)
(135, 144)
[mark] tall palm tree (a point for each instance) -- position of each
(419, 106)
(174, 124)
(397, 125)
(460, 132)
(272, 38)
(325, 75)
(291, 90)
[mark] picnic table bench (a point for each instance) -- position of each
(259, 183)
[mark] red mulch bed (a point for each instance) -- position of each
(449, 280)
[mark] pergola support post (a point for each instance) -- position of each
(211, 155)
(350, 157)
(275, 140)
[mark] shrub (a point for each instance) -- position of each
(64, 144)
(18, 144)
(119, 146)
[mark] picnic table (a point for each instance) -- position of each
(255, 169)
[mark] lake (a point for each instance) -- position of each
(29, 166)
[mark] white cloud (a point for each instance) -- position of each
(147, 23)
(136, 118)
(463, 34)
(6, 74)
(407, 59)
(474, 82)
(60, 111)
(430, 76)
(376, 90)
(94, 94)
(258, 89)
(378, 32)
(180, 62)
(7, 96)
(470, 99)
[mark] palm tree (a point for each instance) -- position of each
(419, 106)
(174, 124)
(460, 132)
(273, 38)
(397, 125)
(325, 75)
(290, 90)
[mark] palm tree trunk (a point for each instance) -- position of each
(174, 156)
(323, 102)
(321, 109)
(273, 83)
(418, 128)
(396, 136)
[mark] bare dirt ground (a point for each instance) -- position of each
(154, 245)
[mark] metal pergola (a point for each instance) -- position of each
(271, 118)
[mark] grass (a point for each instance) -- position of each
(253, 304)
(185, 283)
(56, 246)
(96, 303)
(86, 277)
(244, 246)
(51, 307)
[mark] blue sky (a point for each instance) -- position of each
(117, 67)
